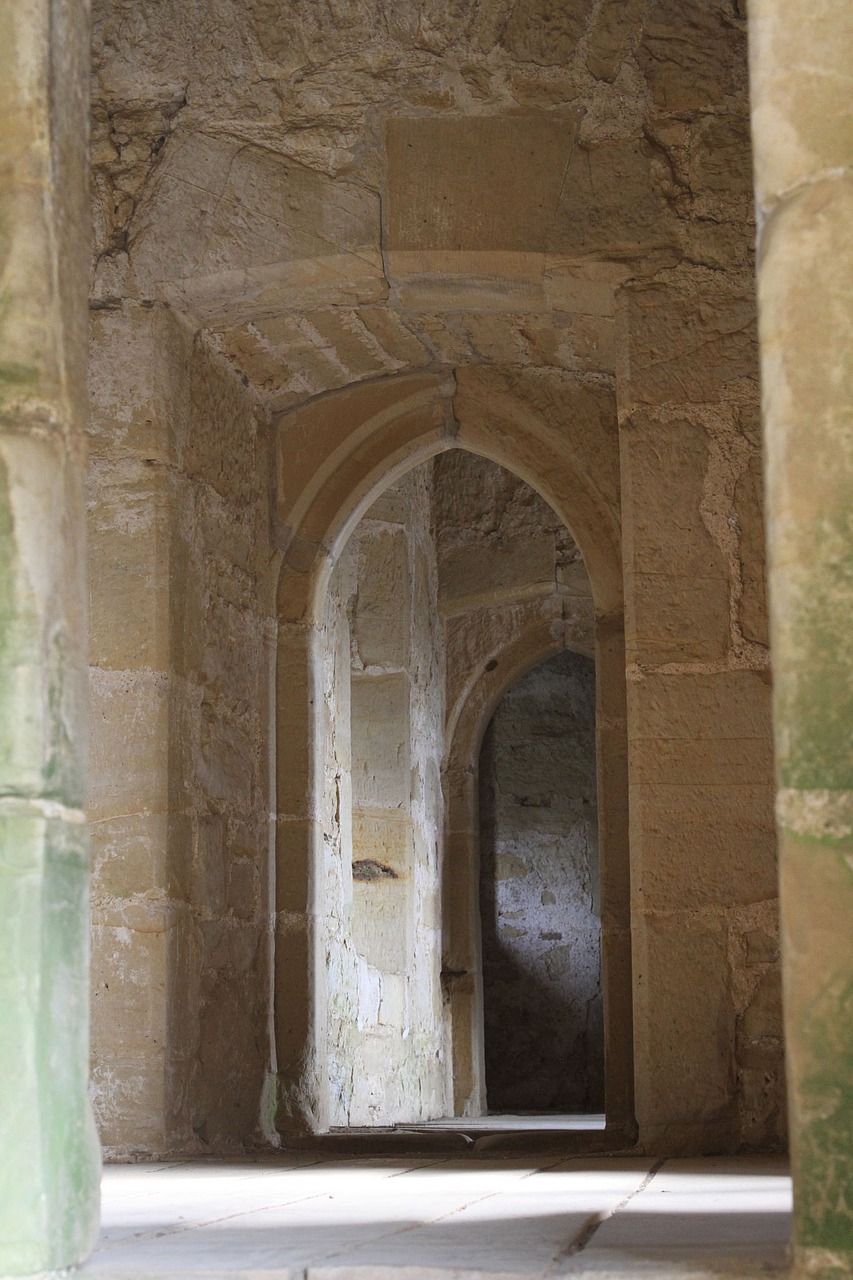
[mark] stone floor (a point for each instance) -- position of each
(308, 1217)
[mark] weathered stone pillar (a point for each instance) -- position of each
(49, 1164)
(802, 122)
(703, 858)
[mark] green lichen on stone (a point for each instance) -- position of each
(21, 728)
(824, 1202)
(49, 1169)
(814, 681)
(40, 675)
(14, 376)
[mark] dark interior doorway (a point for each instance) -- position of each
(539, 894)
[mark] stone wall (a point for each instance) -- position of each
(181, 646)
(512, 589)
(507, 566)
(482, 226)
(540, 896)
(384, 696)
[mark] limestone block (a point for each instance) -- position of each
(705, 843)
(129, 541)
(392, 506)
(381, 620)
(392, 1006)
(243, 891)
(681, 351)
(762, 947)
(138, 390)
(131, 983)
(727, 761)
(381, 740)
(232, 228)
(129, 855)
(677, 579)
(761, 1088)
(296, 747)
(382, 924)
(801, 111)
(209, 870)
(440, 229)
(693, 54)
(127, 770)
(295, 996)
(545, 32)
(762, 1018)
(720, 156)
(230, 1052)
(335, 426)
(383, 840)
(666, 468)
(571, 449)
(298, 842)
(684, 1070)
(587, 287)
(289, 358)
(615, 24)
(677, 618)
(731, 708)
(617, 205)
(515, 569)
(230, 666)
(593, 341)
(476, 501)
(749, 508)
(128, 1099)
(224, 459)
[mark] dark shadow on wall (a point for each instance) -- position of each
(539, 894)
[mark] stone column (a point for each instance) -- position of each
(49, 1165)
(802, 123)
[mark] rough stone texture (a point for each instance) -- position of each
(279, 185)
(702, 838)
(384, 710)
(540, 894)
(805, 200)
(251, 201)
(506, 565)
(499, 620)
(180, 645)
(700, 758)
(50, 1164)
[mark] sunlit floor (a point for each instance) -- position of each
(506, 1123)
(312, 1218)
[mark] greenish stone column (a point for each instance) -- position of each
(49, 1159)
(802, 111)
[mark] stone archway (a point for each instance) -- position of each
(340, 453)
(461, 955)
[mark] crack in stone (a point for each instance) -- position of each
(593, 1223)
